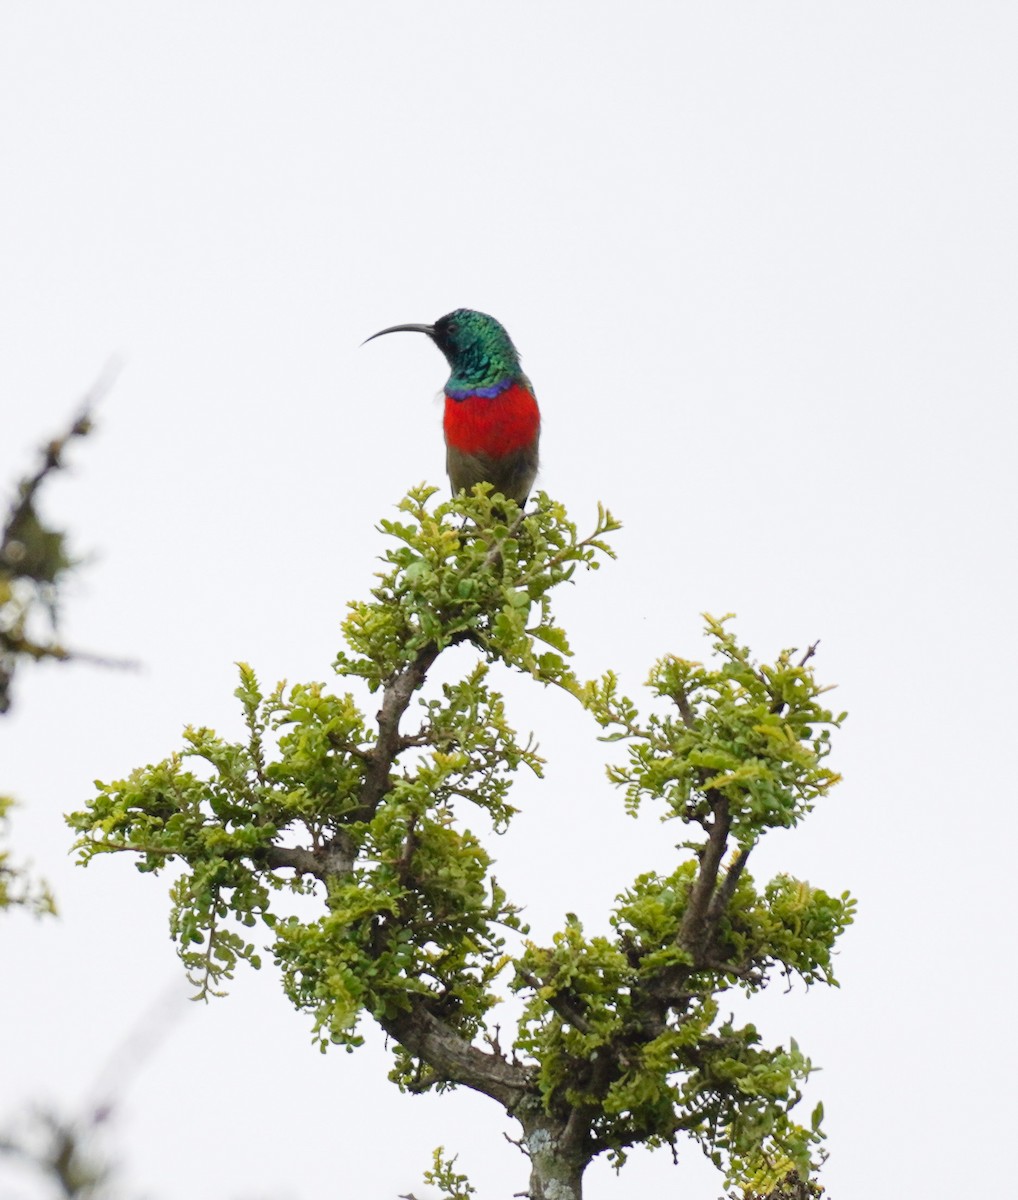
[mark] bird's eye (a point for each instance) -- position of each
(452, 327)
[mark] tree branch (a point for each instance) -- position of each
(685, 710)
(455, 1059)
(754, 975)
(397, 693)
(418, 1030)
(694, 931)
(727, 888)
(395, 698)
(302, 861)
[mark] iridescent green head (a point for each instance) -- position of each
(478, 349)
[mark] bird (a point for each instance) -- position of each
(492, 423)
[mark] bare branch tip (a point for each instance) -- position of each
(811, 650)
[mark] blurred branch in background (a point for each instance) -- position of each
(58, 1149)
(34, 559)
(34, 562)
(17, 889)
(62, 1154)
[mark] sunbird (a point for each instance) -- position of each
(492, 423)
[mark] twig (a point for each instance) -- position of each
(747, 974)
(423, 737)
(358, 752)
(557, 1003)
(519, 1143)
(778, 703)
(495, 553)
(809, 653)
(493, 1042)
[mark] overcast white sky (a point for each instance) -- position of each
(760, 260)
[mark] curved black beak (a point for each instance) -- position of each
(428, 329)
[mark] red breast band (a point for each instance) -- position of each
(492, 426)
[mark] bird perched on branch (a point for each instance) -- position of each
(492, 423)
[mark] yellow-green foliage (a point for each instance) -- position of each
(444, 1176)
(369, 814)
(757, 734)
